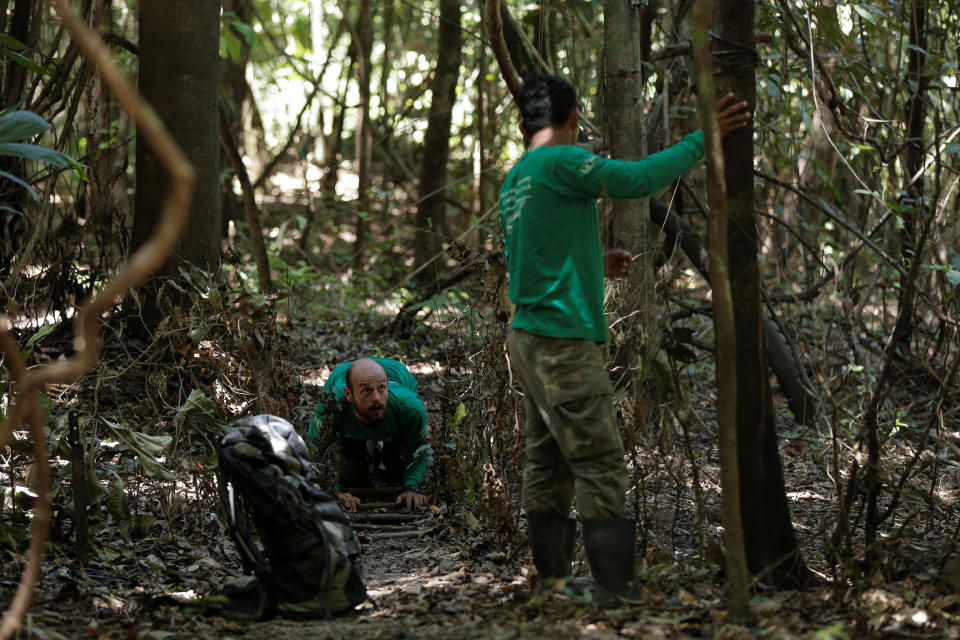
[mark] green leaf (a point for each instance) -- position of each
(17, 212)
(11, 43)
(146, 447)
(17, 125)
(953, 277)
(95, 490)
(35, 152)
(233, 45)
(19, 181)
(26, 63)
(116, 504)
(459, 415)
(42, 331)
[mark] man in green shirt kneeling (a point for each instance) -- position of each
(381, 426)
(551, 230)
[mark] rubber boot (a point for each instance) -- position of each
(610, 544)
(552, 540)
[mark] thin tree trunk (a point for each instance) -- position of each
(431, 218)
(913, 204)
(723, 318)
(363, 136)
(250, 211)
(12, 225)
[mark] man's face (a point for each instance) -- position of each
(367, 392)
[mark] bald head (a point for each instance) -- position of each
(366, 390)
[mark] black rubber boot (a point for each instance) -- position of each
(610, 544)
(552, 540)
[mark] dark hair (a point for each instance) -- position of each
(546, 101)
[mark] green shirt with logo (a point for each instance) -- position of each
(548, 213)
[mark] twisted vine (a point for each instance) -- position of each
(151, 255)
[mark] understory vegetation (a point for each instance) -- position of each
(855, 174)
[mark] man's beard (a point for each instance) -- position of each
(375, 414)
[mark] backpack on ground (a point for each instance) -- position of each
(309, 564)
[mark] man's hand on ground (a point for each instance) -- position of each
(350, 501)
(410, 499)
(616, 263)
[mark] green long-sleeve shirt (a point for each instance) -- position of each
(548, 214)
(405, 420)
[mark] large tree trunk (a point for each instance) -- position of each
(768, 531)
(431, 218)
(179, 59)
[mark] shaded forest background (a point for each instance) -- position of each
(350, 158)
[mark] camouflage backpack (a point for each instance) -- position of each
(309, 565)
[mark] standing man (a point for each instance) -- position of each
(552, 236)
(381, 426)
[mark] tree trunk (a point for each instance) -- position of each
(239, 102)
(363, 136)
(631, 218)
(13, 93)
(431, 218)
(179, 59)
(251, 212)
(724, 318)
(913, 203)
(21, 26)
(768, 531)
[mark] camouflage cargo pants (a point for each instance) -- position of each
(572, 441)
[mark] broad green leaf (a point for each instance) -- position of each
(35, 152)
(865, 13)
(146, 447)
(17, 125)
(953, 277)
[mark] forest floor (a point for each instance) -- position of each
(452, 585)
(454, 582)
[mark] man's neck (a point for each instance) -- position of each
(548, 137)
